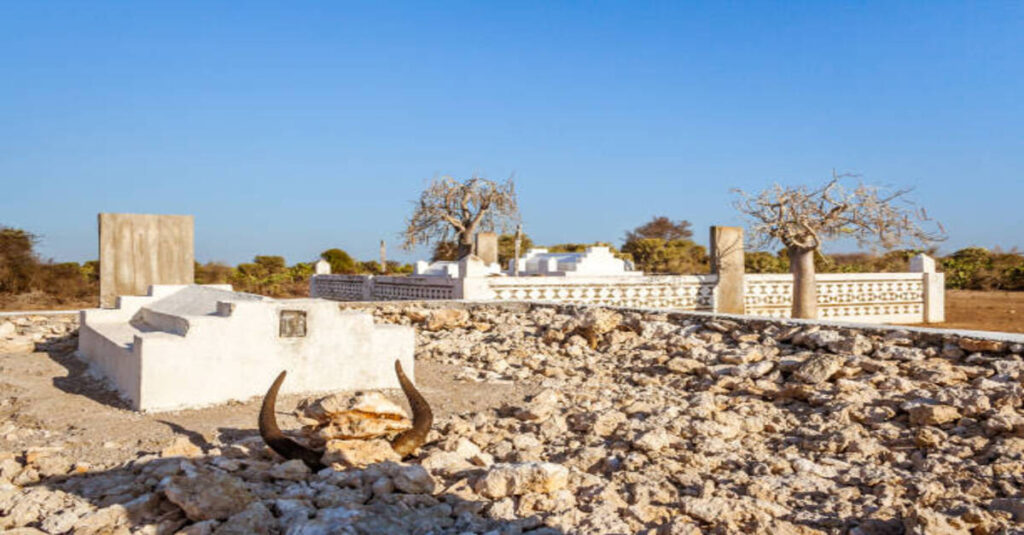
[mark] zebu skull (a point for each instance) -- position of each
(404, 444)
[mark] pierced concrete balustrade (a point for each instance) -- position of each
(597, 277)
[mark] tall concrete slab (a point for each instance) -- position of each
(727, 263)
(139, 250)
(487, 247)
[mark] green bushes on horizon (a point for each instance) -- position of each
(23, 272)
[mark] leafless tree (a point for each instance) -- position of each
(802, 219)
(453, 210)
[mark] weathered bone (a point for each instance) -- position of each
(404, 444)
(422, 417)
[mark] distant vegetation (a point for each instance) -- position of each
(24, 277)
(269, 275)
(28, 281)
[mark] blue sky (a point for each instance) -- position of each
(290, 128)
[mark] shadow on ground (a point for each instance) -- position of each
(243, 488)
(78, 380)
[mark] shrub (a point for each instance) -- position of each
(656, 255)
(340, 261)
(765, 262)
(17, 260)
(507, 248)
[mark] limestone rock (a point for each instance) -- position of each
(600, 321)
(208, 496)
(504, 479)
(976, 345)
(684, 365)
(542, 405)
(654, 440)
(412, 479)
(293, 470)
(181, 447)
(446, 462)
(446, 319)
(358, 453)
(256, 519)
(358, 415)
(819, 368)
(933, 414)
(7, 329)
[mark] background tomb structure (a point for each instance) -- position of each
(187, 346)
(596, 277)
(140, 250)
(485, 245)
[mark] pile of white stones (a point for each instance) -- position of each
(642, 423)
(31, 332)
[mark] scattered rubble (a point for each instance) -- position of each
(36, 332)
(641, 422)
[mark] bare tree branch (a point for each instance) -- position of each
(804, 217)
(452, 210)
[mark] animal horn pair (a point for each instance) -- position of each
(404, 444)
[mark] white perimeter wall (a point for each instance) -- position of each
(857, 297)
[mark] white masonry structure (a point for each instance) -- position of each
(190, 346)
(597, 277)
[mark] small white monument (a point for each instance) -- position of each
(596, 261)
(447, 268)
(322, 267)
(189, 346)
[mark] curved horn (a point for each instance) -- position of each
(422, 417)
(272, 435)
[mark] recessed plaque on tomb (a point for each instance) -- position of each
(293, 324)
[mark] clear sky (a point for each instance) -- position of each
(289, 128)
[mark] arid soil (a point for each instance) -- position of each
(984, 311)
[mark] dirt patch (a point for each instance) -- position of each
(42, 397)
(984, 311)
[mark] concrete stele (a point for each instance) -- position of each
(487, 247)
(140, 250)
(727, 263)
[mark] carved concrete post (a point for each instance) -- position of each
(727, 263)
(934, 288)
(519, 243)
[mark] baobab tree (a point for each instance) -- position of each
(453, 210)
(802, 219)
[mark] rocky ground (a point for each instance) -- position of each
(562, 420)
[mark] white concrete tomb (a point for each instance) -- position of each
(189, 346)
(596, 261)
(449, 268)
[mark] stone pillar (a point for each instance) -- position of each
(322, 267)
(934, 288)
(727, 263)
(922, 263)
(383, 257)
(140, 250)
(487, 247)
(518, 244)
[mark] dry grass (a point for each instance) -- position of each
(984, 311)
(37, 300)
